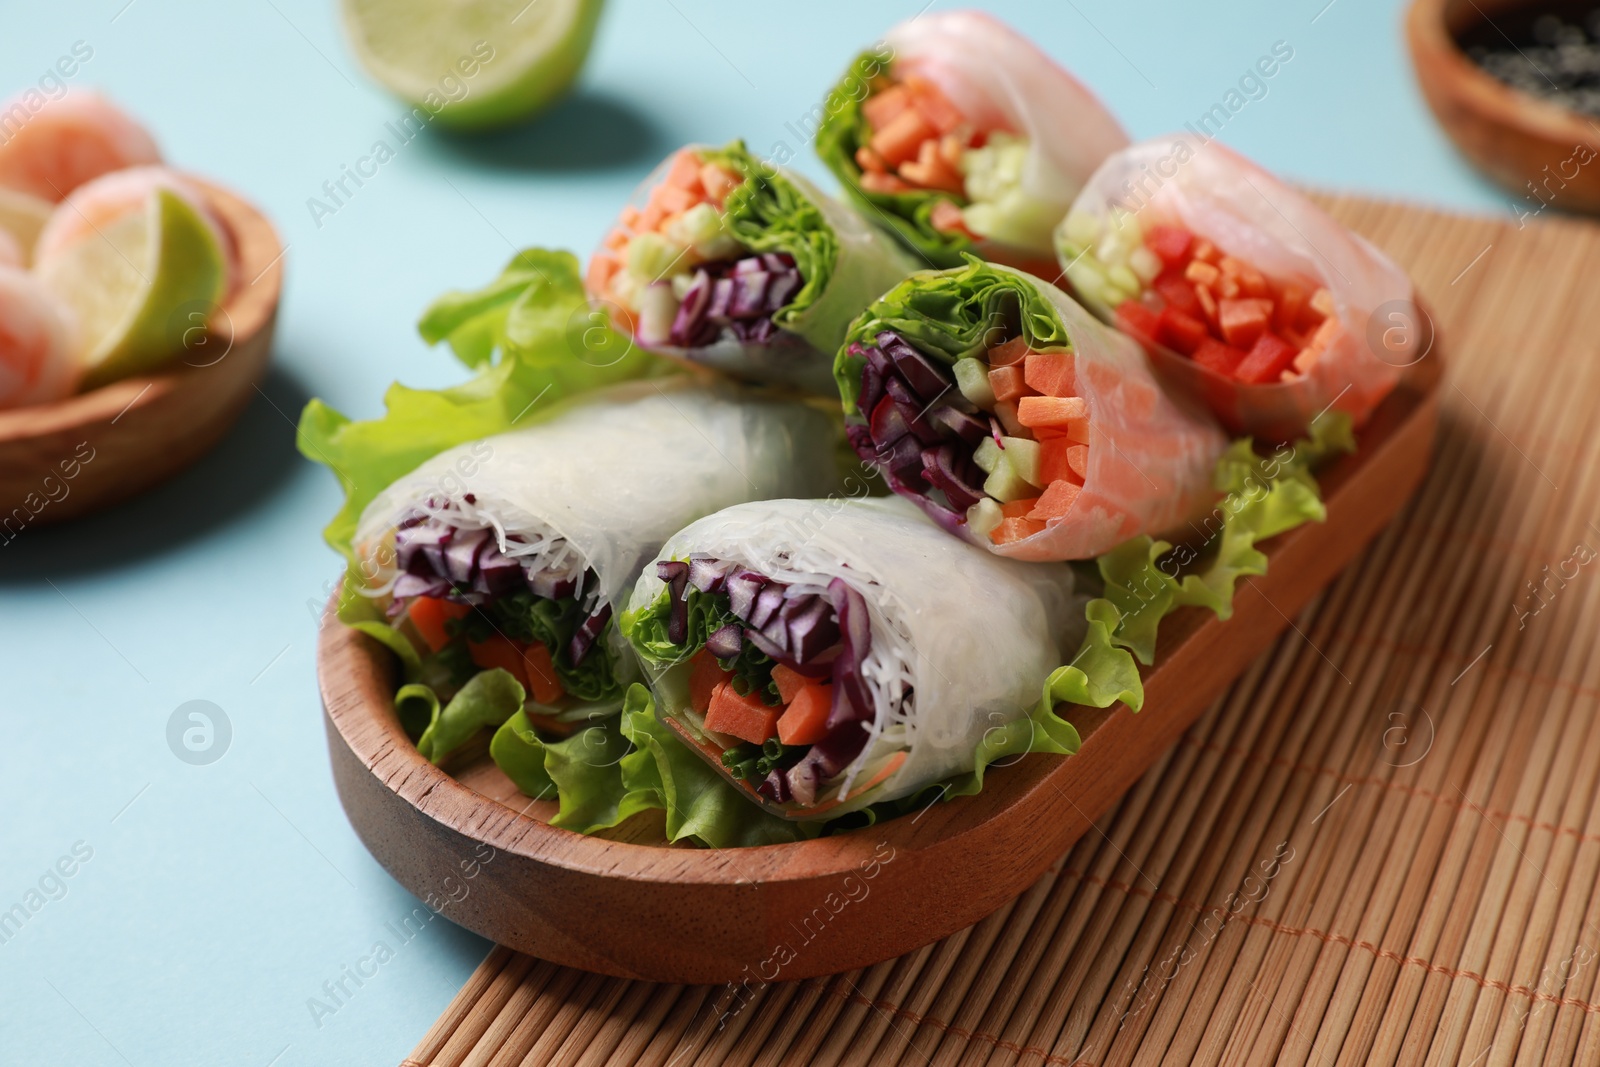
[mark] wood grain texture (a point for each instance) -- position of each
(1429, 750)
(629, 906)
(140, 431)
(1525, 144)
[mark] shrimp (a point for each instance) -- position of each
(51, 150)
(40, 357)
(95, 205)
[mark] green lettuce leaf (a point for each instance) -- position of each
(531, 339)
(844, 129)
(488, 699)
(951, 315)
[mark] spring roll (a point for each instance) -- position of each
(1248, 297)
(514, 551)
(831, 654)
(1016, 420)
(963, 136)
(732, 263)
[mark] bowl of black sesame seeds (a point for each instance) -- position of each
(1516, 85)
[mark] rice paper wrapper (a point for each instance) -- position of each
(1151, 456)
(1247, 212)
(1002, 80)
(974, 636)
(800, 355)
(618, 471)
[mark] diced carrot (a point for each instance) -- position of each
(1014, 530)
(805, 720)
(673, 200)
(868, 160)
(704, 675)
(883, 108)
(1061, 460)
(543, 684)
(1242, 321)
(1290, 303)
(900, 138)
(1007, 382)
(629, 217)
(1181, 331)
(1137, 320)
(1051, 373)
(718, 182)
(1056, 501)
(1008, 353)
(1254, 283)
(1171, 243)
(684, 171)
(951, 150)
(1202, 273)
(430, 614)
(1208, 303)
(1228, 287)
(650, 218)
(1177, 292)
(1322, 303)
(1230, 266)
(1205, 251)
(500, 651)
(1216, 356)
(602, 268)
(1053, 411)
(927, 98)
(1018, 509)
(788, 682)
(947, 217)
(875, 182)
(617, 239)
(1267, 359)
(930, 171)
(744, 717)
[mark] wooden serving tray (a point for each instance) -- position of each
(626, 905)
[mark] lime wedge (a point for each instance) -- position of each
(23, 216)
(473, 63)
(147, 280)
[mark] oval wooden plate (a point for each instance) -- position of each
(1525, 144)
(467, 843)
(85, 453)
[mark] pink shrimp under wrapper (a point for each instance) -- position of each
(1248, 213)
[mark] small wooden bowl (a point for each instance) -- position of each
(475, 849)
(85, 453)
(1509, 135)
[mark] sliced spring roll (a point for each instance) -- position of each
(964, 137)
(734, 264)
(514, 551)
(831, 654)
(1247, 296)
(1016, 420)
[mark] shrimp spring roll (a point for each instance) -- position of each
(514, 551)
(1016, 420)
(831, 654)
(737, 265)
(964, 137)
(1248, 296)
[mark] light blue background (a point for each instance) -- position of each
(223, 896)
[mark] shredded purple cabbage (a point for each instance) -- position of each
(466, 566)
(739, 296)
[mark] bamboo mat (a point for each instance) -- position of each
(1381, 846)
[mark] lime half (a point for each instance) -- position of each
(23, 216)
(139, 287)
(473, 63)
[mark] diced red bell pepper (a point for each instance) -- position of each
(1216, 356)
(1175, 289)
(1266, 361)
(1138, 321)
(1180, 331)
(1171, 243)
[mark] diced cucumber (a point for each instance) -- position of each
(651, 256)
(657, 308)
(702, 229)
(1081, 227)
(1125, 280)
(1023, 455)
(972, 378)
(1145, 263)
(988, 455)
(1006, 485)
(983, 517)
